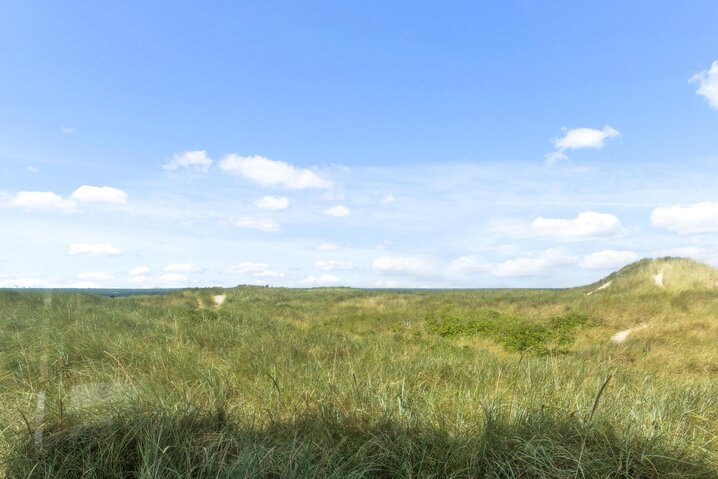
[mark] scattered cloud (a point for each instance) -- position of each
(521, 267)
(579, 138)
(586, 225)
(338, 211)
(608, 259)
(261, 224)
(268, 172)
(182, 268)
(42, 200)
(272, 203)
(329, 265)
(708, 84)
(95, 276)
(85, 285)
(468, 264)
(99, 194)
(173, 278)
(696, 218)
(21, 283)
(534, 265)
(684, 251)
(32, 169)
(258, 270)
(98, 249)
(412, 265)
(321, 280)
(388, 199)
(196, 160)
(139, 270)
(68, 130)
(327, 247)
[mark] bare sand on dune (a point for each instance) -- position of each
(621, 336)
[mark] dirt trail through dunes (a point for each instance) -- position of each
(219, 299)
(604, 286)
(621, 336)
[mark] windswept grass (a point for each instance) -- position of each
(348, 383)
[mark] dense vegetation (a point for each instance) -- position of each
(350, 383)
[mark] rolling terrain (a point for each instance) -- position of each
(614, 379)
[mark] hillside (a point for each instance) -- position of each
(650, 275)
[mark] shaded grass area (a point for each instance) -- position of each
(136, 443)
(519, 334)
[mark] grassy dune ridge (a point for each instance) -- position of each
(339, 382)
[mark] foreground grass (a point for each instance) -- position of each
(346, 383)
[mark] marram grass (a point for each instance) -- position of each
(347, 383)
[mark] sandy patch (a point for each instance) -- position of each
(603, 286)
(219, 299)
(621, 336)
(659, 279)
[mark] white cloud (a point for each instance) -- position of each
(42, 200)
(468, 264)
(329, 265)
(388, 199)
(696, 218)
(579, 138)
(608, 259)
(708, 84)
(684, 251)
(140, 279)
(139, 270)
(338, 211)
(32, 169)
(521, 267)
(85, 285)
(99, 194)
(261, 224)
(272, 203)
(259, 270)
(182, 268)
(21, 283)
(193, 160)
(401, 265)
(327, 247)
(268, 172)
(95, 276)
(68, 130)
(586, 225)
(535, 265)
(321, 280)
(173, 278)
(99, 249)
(386, 283)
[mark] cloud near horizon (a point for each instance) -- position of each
(196, 160)
(272, 173)
(99, 194)
(97, 249)
(579, 138)
(708, 84)
(42, 200)
(696, 218)
(587, 225)
(272, 203)
(262, 224)
(338, 211)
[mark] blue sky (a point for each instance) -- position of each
(369, 144)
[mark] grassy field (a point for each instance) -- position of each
(349, 383)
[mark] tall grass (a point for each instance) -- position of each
(347, 383)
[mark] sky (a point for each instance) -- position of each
(366, 144)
